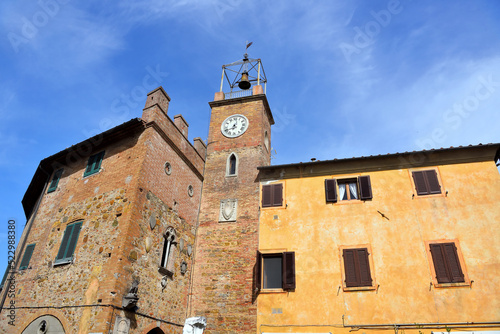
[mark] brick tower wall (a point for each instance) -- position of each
(225, 251)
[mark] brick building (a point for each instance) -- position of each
(111, 228)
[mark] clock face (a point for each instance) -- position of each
(234, 126)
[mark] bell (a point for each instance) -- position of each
(244, 83)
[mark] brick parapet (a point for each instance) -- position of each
(155, 118)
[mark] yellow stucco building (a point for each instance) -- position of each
(403, 242)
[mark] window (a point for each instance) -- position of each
(232, 165)
(348, 189)
(266, 140)
(272, 195)
(27, 256)
(357, 271)
(68, 244)
(275, 271)
(167, 255)
(446, 262)
(55, 180)
(426, 182)
(94, 164)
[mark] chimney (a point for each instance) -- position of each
(159, 97)
(181, 124)
(200, 146)
(257, 89)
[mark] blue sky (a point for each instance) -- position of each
(345, 78)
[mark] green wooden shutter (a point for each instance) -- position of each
(97, 166)
(73, 240)
(288, 271)
(90, 165)
(64, 244)
(27, 257)
(94, 164)
(440, 268)
(365, 187)
(331, 190)
(55, 181)
(68, 243)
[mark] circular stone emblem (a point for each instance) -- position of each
(168, 168)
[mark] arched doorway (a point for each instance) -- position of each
(46, 324)
(156, 331)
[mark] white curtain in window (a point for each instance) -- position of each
(342, 191)
(354, 190)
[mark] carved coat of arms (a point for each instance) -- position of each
(228, 208)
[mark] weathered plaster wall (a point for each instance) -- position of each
(315, 230)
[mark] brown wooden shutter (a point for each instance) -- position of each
(277, 194)
(266, 196)
(450, 250)
(289, 271)
(331, 190)
(439, 264)
(432, 182)
(364, 267)
(420, 184)
(365, 187)
(257, 274)
(350, 268)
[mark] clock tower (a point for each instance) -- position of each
(227, 236)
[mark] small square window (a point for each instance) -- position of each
(55, 180)
(348, 189)
(275, 271)
(94, 164)
(426, 182)
(272, 195)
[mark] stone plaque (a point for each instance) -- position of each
(122, 326)
(228, 210)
